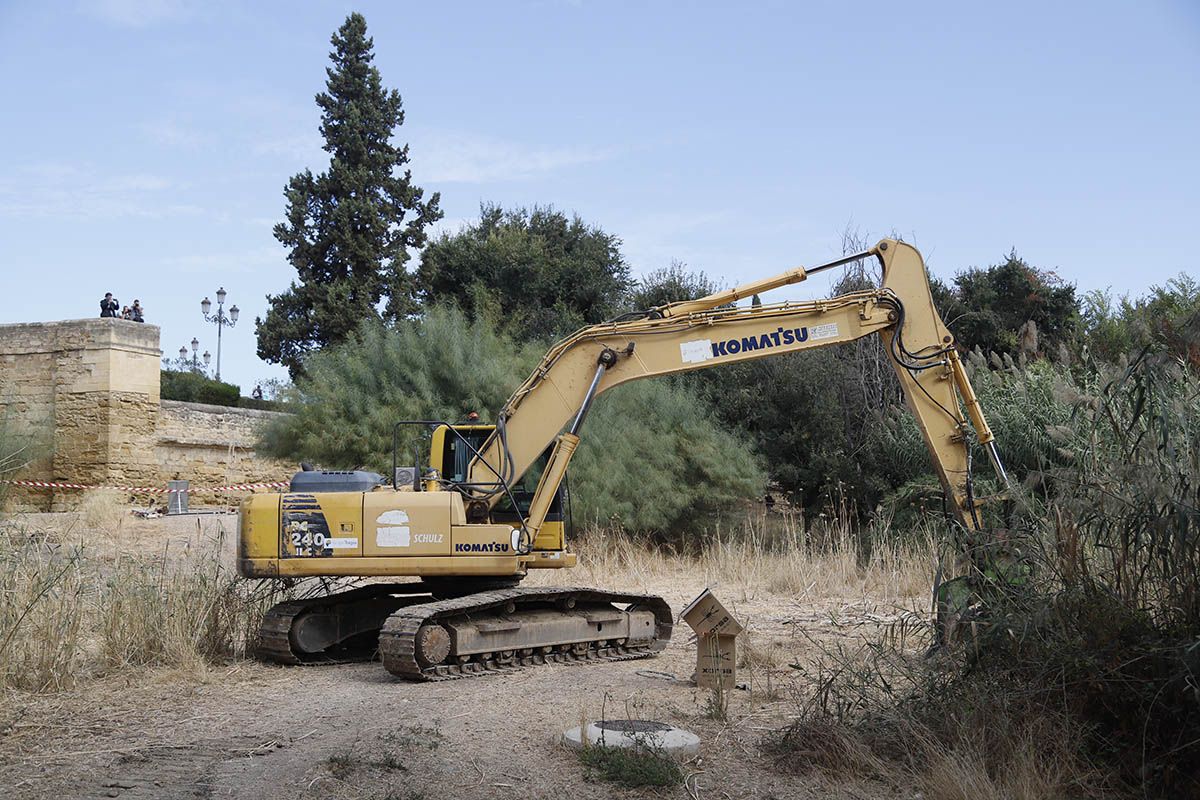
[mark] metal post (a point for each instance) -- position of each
(220, 319)
(177, 499)
(220, 324)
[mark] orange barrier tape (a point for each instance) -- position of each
(235, 487)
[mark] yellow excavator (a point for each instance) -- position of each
(487, 507)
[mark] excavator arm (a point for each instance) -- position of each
(550, 406)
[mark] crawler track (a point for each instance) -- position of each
(276, 640)
(398, 643)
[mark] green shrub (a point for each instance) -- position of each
(630, 767)
(440, 366)
(653, 459)
(1022, 405)
(1166, 316)
(193, 387)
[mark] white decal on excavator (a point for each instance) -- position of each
(826, 331)
(396, 534)
(695, 352)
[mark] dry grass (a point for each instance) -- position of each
(1034, 764)
(104, 511)
(85, 599)
(70, 612)
(757, 652)
(1038, 762)
(43, 602)
(769, 555)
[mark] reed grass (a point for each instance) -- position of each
(1075, 671)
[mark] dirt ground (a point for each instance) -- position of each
(251, 730)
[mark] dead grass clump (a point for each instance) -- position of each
(183, 612)
(43, 604)
(103, 510)
(984, 752)
(878, 711)
(828, 747)
(67, 614)
(1071, 694)
(1038, 765)
(753, 653)
(770, 554)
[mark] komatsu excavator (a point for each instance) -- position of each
(488, 506)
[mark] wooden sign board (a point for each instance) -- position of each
(716, 662)
(707, 617)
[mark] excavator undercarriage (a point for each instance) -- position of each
(419, 637)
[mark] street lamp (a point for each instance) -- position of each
(183, 356)
(220, 319)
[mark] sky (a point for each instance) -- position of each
(145, 144)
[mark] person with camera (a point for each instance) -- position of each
(109, 305)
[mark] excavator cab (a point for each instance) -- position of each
(451, 449)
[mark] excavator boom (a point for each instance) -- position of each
(703, 333)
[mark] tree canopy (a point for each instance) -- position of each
(670, 285)
(349, 229)
(988, 308)
(537, 271)
(1167, 315)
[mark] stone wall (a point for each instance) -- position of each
(80, 401)
(214, 445)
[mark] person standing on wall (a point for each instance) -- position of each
(135, 313)
(109, 305)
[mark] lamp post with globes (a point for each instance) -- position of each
(220, 319)
(183, 356)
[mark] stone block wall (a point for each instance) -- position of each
(214, 445)
(80, 401)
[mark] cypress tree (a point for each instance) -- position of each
(349, 229)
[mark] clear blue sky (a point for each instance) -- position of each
(146, 143)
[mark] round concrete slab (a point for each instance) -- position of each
(635, 733)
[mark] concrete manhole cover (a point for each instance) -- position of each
(635, 733)
(633, 725)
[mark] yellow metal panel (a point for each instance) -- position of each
(550, 560)
(258, 526)
(471, 540)
(550, 537)
(437, 447)
(381, 567)
(407, 524)
(320, 525)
